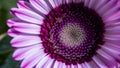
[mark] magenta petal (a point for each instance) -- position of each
(99, 62)
(40, 5)
(56, 64)
(86, 2)
(43, 61)
(27, 28)
(22, 4)
(79, 65)
(107, 59)
(22, 41)
(92, 3)
(112, 37)
(68, 1)
(113, 50)
(27, 15)
(52, 2)
(30, 61)
(13, 33)
(100, 4)
(93, 64)
(10, 23)
(49, 63)
(113, 17)
(21, 53)
(106, 7)
(76, 1)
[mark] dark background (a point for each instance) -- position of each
(6, 50)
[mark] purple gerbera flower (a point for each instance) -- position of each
(66, 33)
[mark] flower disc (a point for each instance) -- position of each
(71, 33)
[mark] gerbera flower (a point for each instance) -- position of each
(66, 33)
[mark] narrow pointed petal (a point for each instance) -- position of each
(13, 33)
(79, 65)
(112, 17)
(87, 65)
(43, 61)
(27, 28)
(99, 62)
(23, 5)
(76, 1)
(107, 59)
(86, 3)
(100, 4)
(106, 7)
(40, 5)
(22, 41)
(52, 3)
(27, 15)
(92, 4)
(49, 63)
(30, 61)
(21, 53)
(56, 64)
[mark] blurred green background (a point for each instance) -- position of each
(6, 50)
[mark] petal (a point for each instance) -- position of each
(10, 22)
(64, 65)
(100, 4)
(60, 65)
(22, 41)
(111, 11)
(106, 7)
(72, 66)
(68, 66)
(113, 50)
(49, 63)
(27, 15)
(93, 64)
(86, 2)
(23, 5)
(68, 1)
(87, 65)
(59, 2)
(92, 3)
(84, 65)
(32, 59)
(117, 27)
(112, 24)
(52, 3)
(107, 59)
(114, 16)
(99, 62)
(113, 31)
(116, 42)
(27, 28)
(76, 1)
(56, 64)
(40, 5)
(13, 33)
(21, 53)
(79, 65)
(112, 37)
(43, 61)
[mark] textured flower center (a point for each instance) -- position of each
(71, 33)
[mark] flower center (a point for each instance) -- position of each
(71, 33)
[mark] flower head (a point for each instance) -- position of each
(66, 33)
